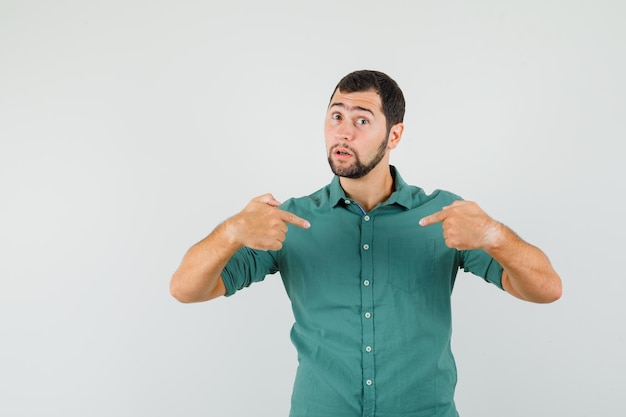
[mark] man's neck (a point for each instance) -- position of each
(370, 190)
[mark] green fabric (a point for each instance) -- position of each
(371, 300)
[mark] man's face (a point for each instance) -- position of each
(356, 133)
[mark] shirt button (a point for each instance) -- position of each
(366, 283)
(366, 218)
(368, 315)
(347, 201)
(366, 246)
(369, 382)
(368, 349)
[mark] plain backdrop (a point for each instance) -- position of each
(130, 129)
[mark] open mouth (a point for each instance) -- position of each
(342, 152)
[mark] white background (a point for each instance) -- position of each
(129, 129)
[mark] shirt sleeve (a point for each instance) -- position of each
(247, 266)
(479, 263)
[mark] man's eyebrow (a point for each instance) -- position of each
(351, 108)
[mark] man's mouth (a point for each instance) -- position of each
(342, 152)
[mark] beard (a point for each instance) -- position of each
(358, 169)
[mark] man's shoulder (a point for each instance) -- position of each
(317, 198)
(412, 196)
(418, 197)
(438, 194)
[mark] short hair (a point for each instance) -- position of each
(390, 93)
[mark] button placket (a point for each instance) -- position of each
(367, 317)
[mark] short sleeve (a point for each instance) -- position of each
(247, 266)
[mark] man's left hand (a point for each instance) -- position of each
(466, 226)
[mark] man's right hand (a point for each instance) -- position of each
(261, 224)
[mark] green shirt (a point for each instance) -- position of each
(371, 300)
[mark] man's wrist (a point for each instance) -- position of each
(495, 236)
(228, 234)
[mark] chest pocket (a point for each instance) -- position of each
(410, 266)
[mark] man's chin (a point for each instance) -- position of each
(346, 172)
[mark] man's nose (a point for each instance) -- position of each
(345, 132)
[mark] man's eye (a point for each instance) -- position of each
(362, 121)
(335, 116)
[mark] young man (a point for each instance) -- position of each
(369, 264)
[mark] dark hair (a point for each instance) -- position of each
(390, 94)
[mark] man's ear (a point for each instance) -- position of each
(395, 134)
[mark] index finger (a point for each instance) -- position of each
(293, 219)
(434, 218)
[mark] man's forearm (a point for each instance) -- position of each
(198, 278)
(528, 273)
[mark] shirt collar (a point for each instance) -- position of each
(401, 196)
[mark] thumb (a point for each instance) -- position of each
(268, 199)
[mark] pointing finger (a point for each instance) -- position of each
(433, 218)
(293, 219)
(441, 215)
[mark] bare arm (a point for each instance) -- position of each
(198, 278)
(528, 273)
(260, 225)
